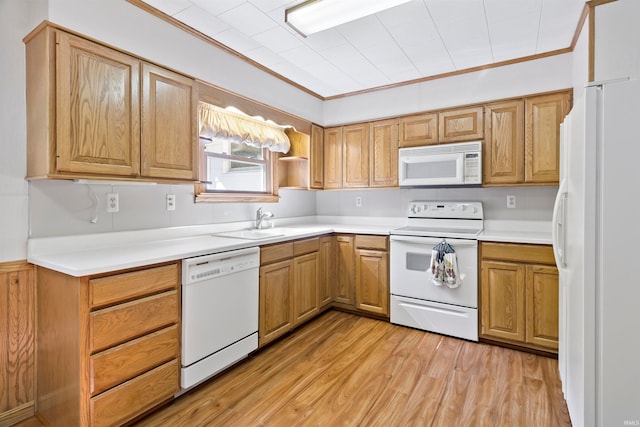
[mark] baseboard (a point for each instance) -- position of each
(17, 414)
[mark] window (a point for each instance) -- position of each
(238, 164)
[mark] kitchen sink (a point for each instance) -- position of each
(251, 234)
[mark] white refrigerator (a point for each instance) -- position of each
(596, 239)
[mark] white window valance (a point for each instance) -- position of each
(238, 127)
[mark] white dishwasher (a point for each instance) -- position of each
(219, 312)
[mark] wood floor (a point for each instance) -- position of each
(346, 370)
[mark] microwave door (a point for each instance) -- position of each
(440, 169)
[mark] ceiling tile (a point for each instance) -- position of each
(556, 29)
(302, 55)
(270, 5)
(201, 20)
(217, 7)
(278, 40)
(237, 41)
(170, 7)
(325, 40)
(365, 32)
(264, 56)
(248, 19)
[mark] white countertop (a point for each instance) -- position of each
(84, 255)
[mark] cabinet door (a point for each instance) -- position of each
(97, 109)
(355, 166)
(383, 153)
(327, 263)
(169, 124)
(316, 166)
(542, 136)
(504, 148)
(542, 306)
(418, 130)
(276, 307)
(305, 287)
(344, 290)
(372, 281)
(460, 125)
(333, 158)
(502, 300)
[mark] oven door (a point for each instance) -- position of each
(411, 275)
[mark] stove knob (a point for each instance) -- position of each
(415, 209)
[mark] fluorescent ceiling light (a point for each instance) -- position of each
(317, 15)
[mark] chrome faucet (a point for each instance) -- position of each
(260, 216)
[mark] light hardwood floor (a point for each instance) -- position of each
(346, 370)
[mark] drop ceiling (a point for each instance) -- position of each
(411, 42)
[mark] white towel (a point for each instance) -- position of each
(445, 272)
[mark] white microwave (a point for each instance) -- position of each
(441, 165)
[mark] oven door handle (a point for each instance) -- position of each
(433, 240)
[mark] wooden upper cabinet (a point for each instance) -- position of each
(355, 162)
(333, 157)
(460, 125)
(169, 124)
(542, 136)
(418, 130)
(316, 161)
(383, 153)
(96, 112)
(503, 159)
(97, 108)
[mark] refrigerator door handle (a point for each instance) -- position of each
(558, 227)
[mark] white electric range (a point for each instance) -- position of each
(415, 300)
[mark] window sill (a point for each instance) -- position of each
(236, 198)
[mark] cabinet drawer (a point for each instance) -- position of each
(115, 325)
(278, 252)
(122, 287)
(121, 404)
(119, 364)
(538, 254)
(306, 246)
(371, 242)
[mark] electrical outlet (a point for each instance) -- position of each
(511, 201)
(171, 202)
(358, 201)
(113, 202)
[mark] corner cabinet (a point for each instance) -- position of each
(96, 112)
(519, 295)
(118, 336)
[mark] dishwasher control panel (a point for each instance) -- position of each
(209, 267)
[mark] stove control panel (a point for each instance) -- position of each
(454, 210)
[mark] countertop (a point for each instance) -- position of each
(84, 255)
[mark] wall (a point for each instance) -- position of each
(61, 208)
(616, 40)
(541, 75)
(580, 65)
(532, 203)
(16, 19)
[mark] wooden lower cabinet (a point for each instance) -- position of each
(519, 295)
(344, 290)
(17, 342)
(290, 285)
(305, 287)
(107, 346)
(276, 305)
(362, 282)
(327, 271)
(372, 274)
